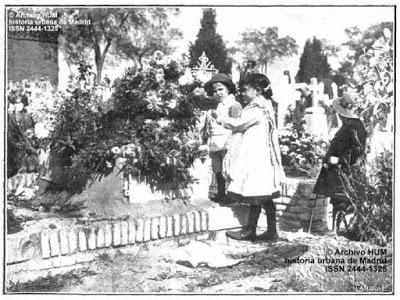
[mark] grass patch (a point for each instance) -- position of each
(50, 283)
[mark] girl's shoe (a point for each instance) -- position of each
(242, 235)
(268, 236)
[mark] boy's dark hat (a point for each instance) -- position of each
(222, 78)
(344, 106)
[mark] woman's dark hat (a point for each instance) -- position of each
(344, 106)
(222, 78)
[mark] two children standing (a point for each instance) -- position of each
(246, 155)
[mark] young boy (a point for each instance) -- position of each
(222, 89)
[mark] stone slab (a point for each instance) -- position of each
(139, 230)
(131, 232)
(116, 236)
(147, 230)
(124, 233)
(163, 227)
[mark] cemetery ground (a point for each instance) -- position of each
(255, 267)
(213, 263)
(262, 269)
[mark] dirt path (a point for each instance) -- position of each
(153, 272)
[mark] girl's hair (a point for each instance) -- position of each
(258, 81)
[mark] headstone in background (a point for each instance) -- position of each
(316, 121)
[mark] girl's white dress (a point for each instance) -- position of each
(257, 169)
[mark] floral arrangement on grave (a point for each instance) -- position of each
(301, 152)
(150, 132)
(301, 155)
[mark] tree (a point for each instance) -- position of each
(265, 46)
(329, 49)
(211, 43)
(359, 42)
(313, 62)
(156, 35)
(113, 29)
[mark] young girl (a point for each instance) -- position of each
(345, 153)
(222, 89)
(257, 172)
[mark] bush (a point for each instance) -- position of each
(301, 152)
(301, 156)
(152, 126)
(371, 196)
(374, 74)
(372, 188)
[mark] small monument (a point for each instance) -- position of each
(204, 70)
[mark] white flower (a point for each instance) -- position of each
(108, 164)
(185, 61)
(148, 121)
(173, 103)
(30, 133)
(19, 107)
(186, 78)
(115, 150)
(41, 131)
(199, 91)
(11, 108)
(130, 149)
(387, 34)
(153, 100)
(284, 149)
(160, 75)
(120, 162)
(158, 55)
(163, 123)
(373, 61)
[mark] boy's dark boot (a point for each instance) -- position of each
(221, 196)
(271, 234)
(248, 233)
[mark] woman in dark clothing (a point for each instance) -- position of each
(346, 149)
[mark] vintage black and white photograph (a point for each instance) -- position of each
(199, 149)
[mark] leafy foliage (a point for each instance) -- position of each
(132, 31)
(209, 41)
(371, 192)
(152, 127)
(22, 141)
(359, 42)
(374, 74)
(264, 45)
(301, 152)
(76, 127)
(313, 62)
(371, 197)
(140, 44)
(301, 156)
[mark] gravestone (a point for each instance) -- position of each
(316, 121)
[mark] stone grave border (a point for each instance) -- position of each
(51, 249)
